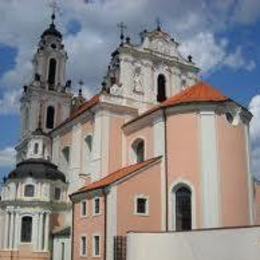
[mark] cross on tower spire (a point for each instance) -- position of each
(55, 7)
(122, 28)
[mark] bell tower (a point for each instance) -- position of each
(48, 96)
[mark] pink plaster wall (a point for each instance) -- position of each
(148, 183)
(115, 143)
(184, 156)
(87, 226)
(234, 174)
(24, 253)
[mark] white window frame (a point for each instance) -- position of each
(93, 245)
(81, 208)
(94, 212)
(142, 196)
(81, 245)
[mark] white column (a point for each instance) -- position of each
(40, 232)
(6, 230)
(209, 170)
(46, 233)
(11, 232)
(16, 232)
(35, 232)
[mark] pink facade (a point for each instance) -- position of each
(87, 226)
(184, 157)
(233, 168)
(147, 183)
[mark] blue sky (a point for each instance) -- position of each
(222, 36)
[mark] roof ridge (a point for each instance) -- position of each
(112, 177)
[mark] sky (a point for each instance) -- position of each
(222, 36)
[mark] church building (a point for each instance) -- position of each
(155, 150)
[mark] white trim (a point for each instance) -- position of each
(111, 221)
(81, 246)
(147, 205)
(93, 245)
(94, 213)
(210, 179)
(172, 202)
(250, 181)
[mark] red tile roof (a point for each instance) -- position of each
(200, 92)
(117, 175)
(84, 107)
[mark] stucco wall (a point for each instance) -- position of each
(225, 244)
(184, 159)
(88, 226)
(234, 173)
(145, 183)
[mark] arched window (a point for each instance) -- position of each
(66, 154)
(138, 149)
(52, 73)
(26, 229)
(36, 148)
(50, 117)
(183, 214)
(161, 88)
(29, 190)
(88, 141)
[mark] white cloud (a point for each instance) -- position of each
(7, 157)
(237, 61)
(254, 107)
(9, 103)
(196, 24)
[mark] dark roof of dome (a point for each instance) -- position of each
(52, 31)
(37, 169)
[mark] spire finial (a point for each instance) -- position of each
(158, 23)
(54, 6)
(81, 83)
(122, 28)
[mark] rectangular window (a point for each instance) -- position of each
(83, 246)
(96, 246)
(83, 208)
(57, 193)
(62, 251)
(96, 206)
(141, 206)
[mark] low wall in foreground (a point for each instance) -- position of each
(214, 244)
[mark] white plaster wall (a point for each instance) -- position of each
(57, 247)
(225, 244)
(209, 170)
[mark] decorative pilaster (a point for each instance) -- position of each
(6, 242)
(11, 233)
(46, 233)
(17, 230)
(40, 233)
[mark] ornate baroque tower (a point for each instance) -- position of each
(46, 101)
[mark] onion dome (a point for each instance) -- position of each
(52, 31)
(37, 169)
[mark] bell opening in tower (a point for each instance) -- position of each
(52, 73)
(161, 88)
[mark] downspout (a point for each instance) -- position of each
(105, 225)
(166, 171)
